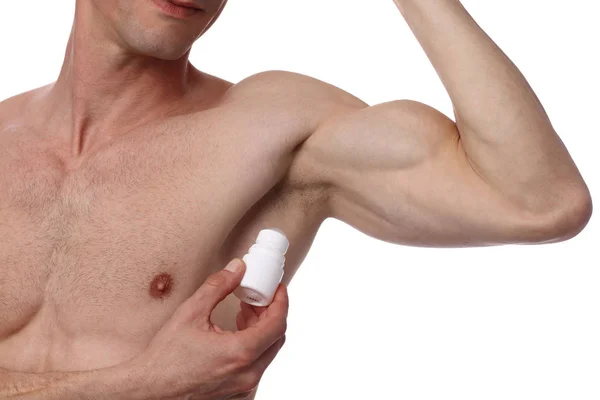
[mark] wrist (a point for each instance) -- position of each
(142, 380)
(135, 379)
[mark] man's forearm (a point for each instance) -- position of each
(119, 382)
(504, 128)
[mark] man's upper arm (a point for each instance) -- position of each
(397, 171)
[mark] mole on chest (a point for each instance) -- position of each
(161, 286)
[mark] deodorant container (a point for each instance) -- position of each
(264, 268)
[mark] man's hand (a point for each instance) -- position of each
(191, 358)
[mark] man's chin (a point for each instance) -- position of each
(162, 51)
(168, 54)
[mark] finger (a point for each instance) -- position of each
(253, 374)
(242, 396)
(263, 362)
(270, 327)
(216, 287)
(240, 322)
(280, 304)
(260, 310)
(249, 313)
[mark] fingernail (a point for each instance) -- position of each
(234, 265)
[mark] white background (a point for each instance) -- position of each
(372, 320)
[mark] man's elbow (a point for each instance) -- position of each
(564, 221)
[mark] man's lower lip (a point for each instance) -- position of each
(176, 11)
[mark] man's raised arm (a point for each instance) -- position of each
(503, 128)
(403, 172)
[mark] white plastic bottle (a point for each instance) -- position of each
(264, 268)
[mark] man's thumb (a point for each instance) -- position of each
(235, 265)
(218, 286)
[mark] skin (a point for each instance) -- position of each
(219, 364)
(134, 165)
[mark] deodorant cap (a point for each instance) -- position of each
(274, 238)
(264, 268)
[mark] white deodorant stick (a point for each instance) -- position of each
(264, 268)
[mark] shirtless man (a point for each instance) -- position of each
(135, 168)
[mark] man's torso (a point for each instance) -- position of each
(82, 239)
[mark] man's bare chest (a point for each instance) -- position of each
(129, 232)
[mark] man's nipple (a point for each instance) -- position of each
(161, 286)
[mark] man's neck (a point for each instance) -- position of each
(104, 90)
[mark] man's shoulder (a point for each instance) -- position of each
(281, 80)
(17, 106)
(295, 90)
